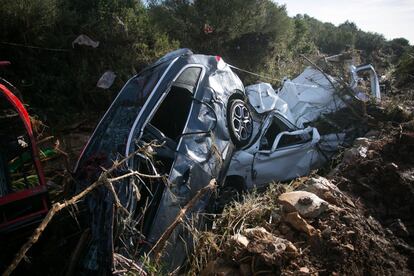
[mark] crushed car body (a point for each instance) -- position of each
(177, 110)
(285, 145)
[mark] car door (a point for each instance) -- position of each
(290, 153)
(167, 123)
(190, 170)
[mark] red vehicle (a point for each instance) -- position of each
(23, 192)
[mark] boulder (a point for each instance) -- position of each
(319, 186)
(271, 248)
(307, 204)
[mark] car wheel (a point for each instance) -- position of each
(240, 122)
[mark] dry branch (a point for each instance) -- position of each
(347, 90)
(118, 204)
(57, 207)
(114, 179)
(127, 265)
(161, 243)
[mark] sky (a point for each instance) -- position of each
(393, 19)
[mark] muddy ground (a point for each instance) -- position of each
(366, 228)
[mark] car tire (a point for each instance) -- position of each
(240, 122)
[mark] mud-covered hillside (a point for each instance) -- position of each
(353, 218)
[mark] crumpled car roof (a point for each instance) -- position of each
(308, 96)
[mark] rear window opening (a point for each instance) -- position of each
(172, 115)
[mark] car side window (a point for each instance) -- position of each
(290, 140)
(189, 78)
(275, 127)
(172, 114)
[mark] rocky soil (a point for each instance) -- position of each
(357, 220)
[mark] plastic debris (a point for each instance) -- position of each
(85, 40)
(106, 80)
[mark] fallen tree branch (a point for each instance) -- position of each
(57, 207)
(118, 204)
(114, 179)
(161, 243)
(127, 265)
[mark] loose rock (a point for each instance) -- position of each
(297, 222)
(323, 188)
(306, 204)
(271, 248)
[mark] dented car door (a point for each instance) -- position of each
(290, 154)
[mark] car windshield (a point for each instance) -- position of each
(112, 133)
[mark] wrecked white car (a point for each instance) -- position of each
(284, 144)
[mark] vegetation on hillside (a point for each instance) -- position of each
(58, 80)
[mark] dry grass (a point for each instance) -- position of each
(255, 209)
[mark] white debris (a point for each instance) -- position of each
(85, 40)
(362, 141)
(106, 80)
(353, 154)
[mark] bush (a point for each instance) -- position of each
(59, 83)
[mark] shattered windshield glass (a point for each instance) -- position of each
(111, 136)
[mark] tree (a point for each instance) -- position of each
(245, 32)
(58, 83)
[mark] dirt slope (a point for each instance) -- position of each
(364, 225)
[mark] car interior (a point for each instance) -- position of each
(165, 128)
(275, 128)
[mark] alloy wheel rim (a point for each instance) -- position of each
(242, 122)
